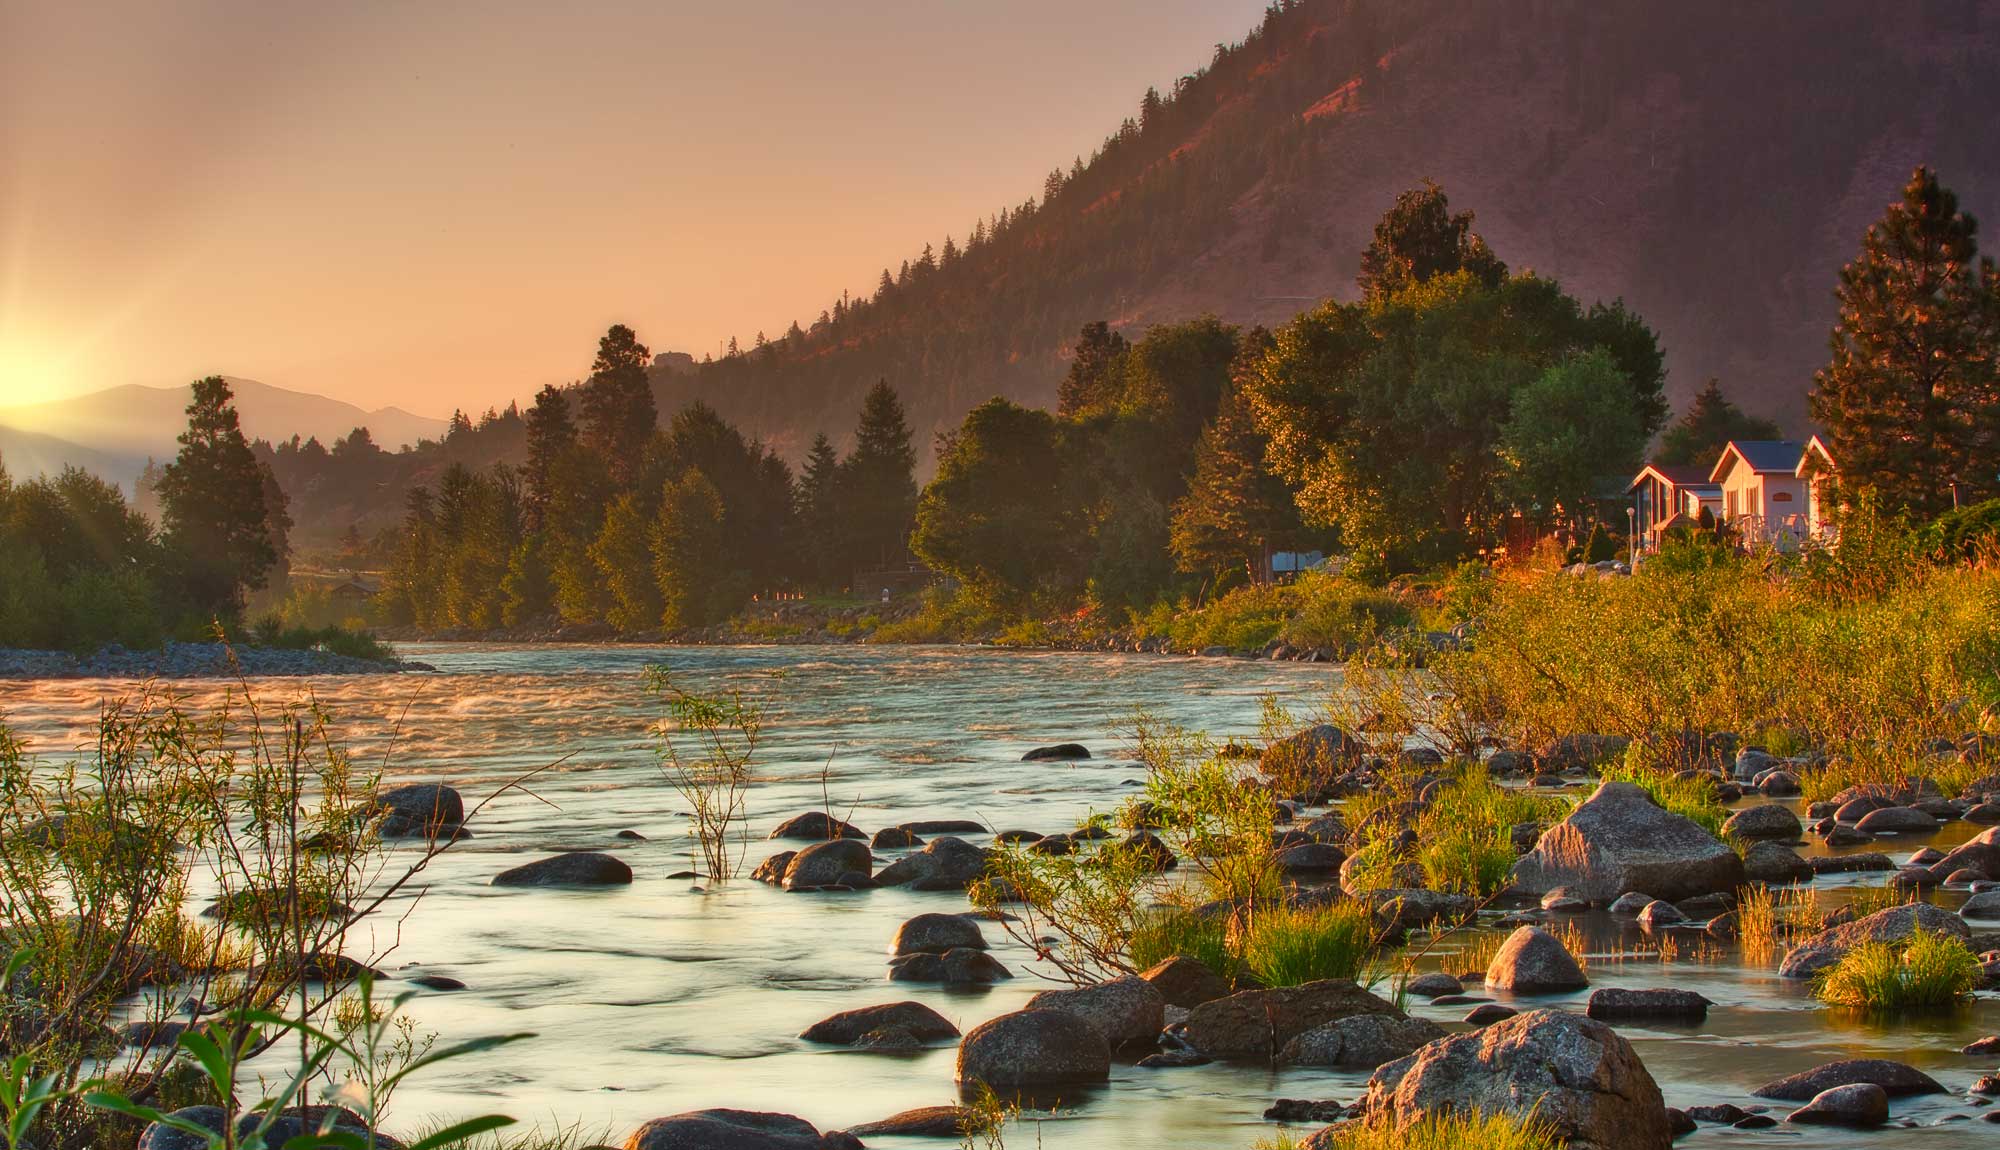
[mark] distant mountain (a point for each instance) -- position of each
(127, 424)
(1712, 162)
(27, 454)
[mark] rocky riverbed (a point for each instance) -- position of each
(191, 661)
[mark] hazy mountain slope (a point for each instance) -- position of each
(141, 421)
(1711, 162)
(26, 454)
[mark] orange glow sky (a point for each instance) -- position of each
(444, 204)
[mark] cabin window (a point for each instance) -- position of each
(1781, 497)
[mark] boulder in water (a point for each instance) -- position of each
(1620, 840)
(1033, 1048)
(577, 868)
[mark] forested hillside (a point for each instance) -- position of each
(1709, 162)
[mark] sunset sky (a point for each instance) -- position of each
(436, 205)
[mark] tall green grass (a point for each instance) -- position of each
(1286, 946)
(1927, 970)
(1434, 1132)
(1691, 798)
(1164, 931)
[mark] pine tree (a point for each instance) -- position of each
(213, 506)
(1909, 399)
(1235, 511)
(818, 511)
(1095, 374)
(550, 434)
(623, 554)
(1710, 422)
(689, 554)
(878, 486)
(618, 412)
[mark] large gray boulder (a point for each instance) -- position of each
(1124, 1010)
(1033, 1048)
(1574, 1074)
(1775, 864)
(945, 863)
(420, 810)
(578, 868)
(1892, 925)
(1533, 961)
(845, 1028)
(1860, 1105)
(1896, 1078)
(735, 1130)
(1360, 1042)
(1620, 840)
(816, 826)
(1315, 753)
(823, 863)
(1256, 1024)
(1769, 821)
(1186, 981)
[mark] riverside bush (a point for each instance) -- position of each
(1925, 970)
(1291, 946)
(1317, 610)
(1434, 1132)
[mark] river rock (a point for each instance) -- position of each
(1896, 820)
(1631, 902)
(816, 826)
(1056, 753)
(894, 838)
(945, 863)
(1318, 752)
(1310, 858)
(577, 868)
(1851, 864)
(1615, 1003)
(160, 1136)
(1620, 840)
(1533, 961)
(824, 863)
(1486, 1014)
(1660, 914)
(942, 827)
(849, 1025)
(1186, 982)
(923, 1122)
(956, 967)
(936, 934)
(772, 870)
(736, 1130)
(1769, 821)
(1124, 1010)
(1360, 1042)
(1982, 851)
(1033, 1048)
(1896, 1078)
(1775, 864)
(419, 810)
(1985, 904)
(1892, 925)
(1256, 1024)
(1573, 1073)
(1402, 909)
(1436, 984)
(1862, 1105)
(1151, 848)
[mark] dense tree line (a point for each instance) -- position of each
(80, 567)
(1406, 425)
(613, 519)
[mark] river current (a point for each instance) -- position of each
(673, 994)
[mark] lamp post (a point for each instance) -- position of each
(1632, 537)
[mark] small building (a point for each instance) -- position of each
(352, 592)
(1664, 494)
(1816, 470)
(1763, 496)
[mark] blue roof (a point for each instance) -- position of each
(1768, 454)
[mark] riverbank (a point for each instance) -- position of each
(192, 661)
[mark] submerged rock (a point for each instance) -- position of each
(826, 863)
(1186, 982)
(962, 966)
(419, 810)
(945, 863)
(1775, 864)
(1360, 1042)
(849, 1025)
(1619, 840)
(923, 1122)
(1769, 821)
(736, 1130)
(1616, 1003)
(936, 934)
(1058, 752)
(1896, 1078)
(578, 868)
(1862, 1104)
(1033, 1048)
(816, 826)
(1577, 1075)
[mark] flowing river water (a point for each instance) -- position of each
(664, 996)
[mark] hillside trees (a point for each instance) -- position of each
(215, 516)
(1910, 399)
(1235, 511)
(618, 410)
(995, 518)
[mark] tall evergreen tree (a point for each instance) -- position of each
(878, 481)
(1911, 397)
(623, 554)
(1235, 511)
(212, 500)
(1096, 371)
(1420, 238)
(689, 554)
(1710, 422)
(619, 416)
(819, 514)
(551, 432)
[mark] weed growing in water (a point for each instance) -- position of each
(1287, 946)
(1927, 970)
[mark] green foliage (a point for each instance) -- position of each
(619, 415)
(690, 554)
(1572, 424)
(1316, 610)
(1419, 239)
(1907, 398)
(336, 640)
(216, 516)
(1288, 946)
(705, 743)
(1690, 798)
(1965, 534)
(995, 518)
(1436, 1132)
(1927, 970)
(1159, 933)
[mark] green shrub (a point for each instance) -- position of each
(1925, 970)
(270, 632)
(1287, 946)
(1690, 798)
(1965, 534)
(1437, 1132)
(100, 607)
(1164, 931)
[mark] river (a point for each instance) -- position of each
(665, 996)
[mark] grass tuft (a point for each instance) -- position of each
(1286, 946)
(1435, 1132)
(1924, 971)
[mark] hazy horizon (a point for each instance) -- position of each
(443, 206)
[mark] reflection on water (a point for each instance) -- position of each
(663, 997)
